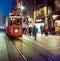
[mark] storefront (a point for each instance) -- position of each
(38, 24)
(57, 26)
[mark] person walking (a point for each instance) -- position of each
(35, 30)
(30, 28)
(45, 29)
(53, 30)
(41, 28)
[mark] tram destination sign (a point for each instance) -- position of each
(15, 16)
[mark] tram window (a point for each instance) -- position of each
(18, 22)
(14, 22)
(10, 22)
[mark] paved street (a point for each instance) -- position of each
(8, 52)
(50, 43)
(45, 48)
(3, 49)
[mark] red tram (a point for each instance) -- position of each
(14, 28)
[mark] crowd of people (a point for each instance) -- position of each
(43, 29)
(31, 30)
(46, 31)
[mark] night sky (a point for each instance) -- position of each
(39, 2)
(6, 6)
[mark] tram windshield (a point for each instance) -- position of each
(16, 22)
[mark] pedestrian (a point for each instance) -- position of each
(35, 30)
(46, 30)
(53, 30)
(30, 28)
(41, 28)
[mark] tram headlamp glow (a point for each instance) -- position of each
(16, 30)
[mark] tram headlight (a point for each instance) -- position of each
(16, 30)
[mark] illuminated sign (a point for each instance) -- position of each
(38, 20)
(15, 16)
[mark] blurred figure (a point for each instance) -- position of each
(41, 28)
(35, 30)
(24, 30)
(30, 28)
(53, 30)
(45, 29)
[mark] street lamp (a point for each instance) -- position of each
(22, 7)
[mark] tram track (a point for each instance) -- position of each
(41, 54)
(49, 58)
(20, 52)
(12, 57)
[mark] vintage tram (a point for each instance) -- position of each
(14, 28)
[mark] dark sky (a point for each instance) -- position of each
(6, 6)
(39, 1)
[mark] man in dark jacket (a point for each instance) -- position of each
(53, 30)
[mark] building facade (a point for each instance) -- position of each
(56, 16)
(43, 11)
(29, 10)
(2, 20)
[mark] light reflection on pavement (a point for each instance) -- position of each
(52, 43)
